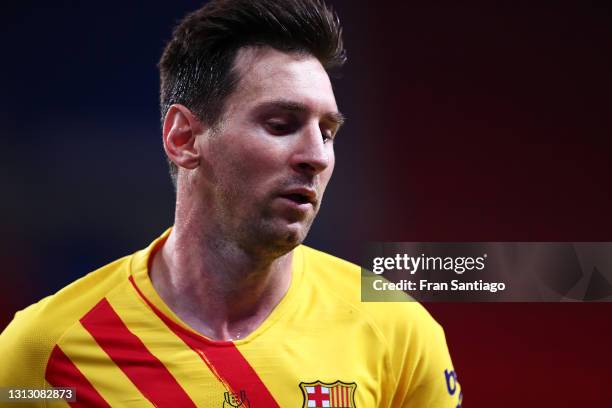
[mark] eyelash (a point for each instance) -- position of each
(285, 128)
(327, 138)
(279, 127)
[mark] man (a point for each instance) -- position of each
(227, 308)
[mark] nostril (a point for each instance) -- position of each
(307, 167)
(312, 165)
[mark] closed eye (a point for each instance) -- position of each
(329, 131)
(281, 127)
(328, 136)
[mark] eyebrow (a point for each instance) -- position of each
(336, 117)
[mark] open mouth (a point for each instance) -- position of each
(297, 198)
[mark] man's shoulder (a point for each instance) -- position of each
(70, 302)
(413, 342)
(343, 279)
(30, 337)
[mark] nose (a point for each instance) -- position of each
(311, 154)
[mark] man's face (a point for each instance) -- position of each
(267, 165)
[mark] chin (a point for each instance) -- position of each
(283, 242)
(275, 238)
(294, 239)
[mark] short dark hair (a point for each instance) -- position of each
(196, 65)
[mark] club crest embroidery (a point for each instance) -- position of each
(333, 395)
(236, 400)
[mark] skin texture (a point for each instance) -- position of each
(227, 261)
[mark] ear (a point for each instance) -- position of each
(179, 134)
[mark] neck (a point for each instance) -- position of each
(216, 287)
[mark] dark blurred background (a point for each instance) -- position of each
(467, 122)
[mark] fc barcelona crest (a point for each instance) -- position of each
(333, 395)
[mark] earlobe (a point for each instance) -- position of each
(179, 136)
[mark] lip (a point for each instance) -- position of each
(309, 194)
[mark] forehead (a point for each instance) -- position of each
(266, 74)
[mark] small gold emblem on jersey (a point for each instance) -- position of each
(333, 395)
(236, 400)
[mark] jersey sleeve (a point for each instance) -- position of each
(24, 351)
(435, 381)
(23, 357)
(420, 363)
(28, 341)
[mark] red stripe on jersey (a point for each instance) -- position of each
(61, 372)
(130, 354)
(224, 360)
(337, 402)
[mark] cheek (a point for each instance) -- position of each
(324, 179)
(250, 169)
(235, 152)
(254, 169)
(330, 169)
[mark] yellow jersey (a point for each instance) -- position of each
(110, 336)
